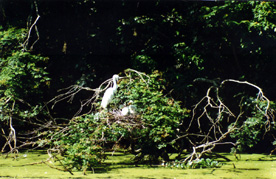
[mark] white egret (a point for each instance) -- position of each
(109, 93)
(130, 109)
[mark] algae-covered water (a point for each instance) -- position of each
(119, 166)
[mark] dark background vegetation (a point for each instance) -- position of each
(183, 39)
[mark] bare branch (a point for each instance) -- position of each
(209, 103)
(12, 135)
(25, 44)
(260, 95)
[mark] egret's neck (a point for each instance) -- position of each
(115, 86)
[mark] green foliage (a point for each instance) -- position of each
(11, 40)
(252, 130)
(81, 145)
(19, 68)
(264, 17)
(22, 78)
(194, 164)
(20, 74)
(203, 163)
(144, 62)
(161, 115)
(187, 57)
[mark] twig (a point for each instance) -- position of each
(140, 74)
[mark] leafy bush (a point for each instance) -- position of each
(22, 78)
(161, 115)
(80, 144)
(10, 40)
(22, 73)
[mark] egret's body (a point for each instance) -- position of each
(130, 109)
(109, 93)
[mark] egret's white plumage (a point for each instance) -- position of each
(130, 109)
(109, 93)
(125, 111)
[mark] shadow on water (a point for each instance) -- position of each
(241, 170)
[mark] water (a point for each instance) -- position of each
(257, 166)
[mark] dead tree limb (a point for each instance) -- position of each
(215, 103)
(34, 25)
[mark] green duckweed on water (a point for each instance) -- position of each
(119, 166)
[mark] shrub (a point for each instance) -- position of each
(22, 78)
(159, 114)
